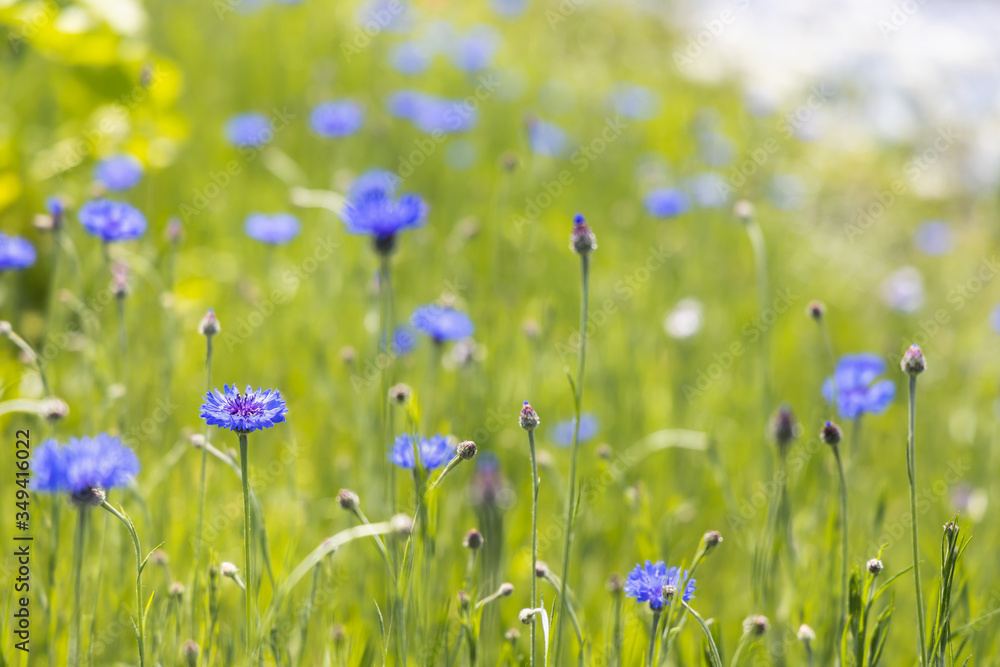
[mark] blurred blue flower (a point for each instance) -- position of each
(101, 462)
(666, 202)
(388, 15)
(633, 101)
(474, 50)
(276, 228)
(410, 58)
(249, 130)
(15, 253)
(431, 113)
(995, 318)
(562, 432)
(334, 119)
(856, 393)
(372, 209)
(54, 205)
(546, 138)
(118, 172)
(933, 238)
(434, 452)
(404, 340)
(243, 413)
(709, 190)
(645, 583)
(903, 289)
(441, 323)
(112, 220)
(509, 8)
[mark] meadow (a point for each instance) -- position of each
(279, 281)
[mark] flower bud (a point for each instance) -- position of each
(209, 325)
(466, 450)
(463, 600)
(805, 633)
(228, 569)
(874, 566)
(191, 653)
(784, 427)
(756, 625)
(529, 418)
(53, 408)
(541, 569)
(473, 540)
(506, 590)
(512, 635)
(831, 434)
(743, 210)
(816, 310)
(913, 362)
(582, 241)
(669, 591)
(400, 393)
(92, 497)
(711, 539)
(615, 584)
(526, 616)
(347, 499)
(401, 524)
(176, 589)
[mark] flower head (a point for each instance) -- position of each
(784, 427)
(373, 210)
(562, 433)
(666, 203)
(83, 465)
(442, 323)
(434, 452)
(831, 434)
(913, 362)
(336, 118)
(645, 583)
(276, 229)
(855, 391)
(15, 253)
(112, 220)
(243, 413)
(474, 51)
(582, 240)
(118, 172)
(529, 420)
(430, 113)
(209, 325)
(546, 138)
(410, 58)
(249, 130)
(633, 101)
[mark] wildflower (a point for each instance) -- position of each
(666, 203)
(118, 172)
(784, 427)
(15, 253)
(473, 540)
(57, 211)
(209, 325)
(442, 323)
(806, 633)
(474, 51)
(466, 450)
(645, 583)
(243, 413)
(276, 229)
(546, 138)
(831, 434)
(249, 130)
(432, 114)
(372, 209)
(816, 310)
(410, 58)
(856, 389)
(913, 362)
(756, 625)
(562, 433)
(112, 220)
(434, 452)
(711, 539)
(347, 499)
(582, 241)
(53, 408)
(874, 566)
(400, 393)
(933, 238)
(85, 467)
(228, 569)
(903, 289)
(404, 340)
(529, 418)
(334, 119)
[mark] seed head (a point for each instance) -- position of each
(816, 310)
(913, 362)
(831, 434)
(466, 450)
(473, 539)
(874, 566)
(756, 625)
(529, 418)
(348, 499)
(209, 325)
(582, 241)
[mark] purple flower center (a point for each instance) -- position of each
(244, 406)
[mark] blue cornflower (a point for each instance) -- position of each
(645, 583)
(442, 323)
(373, 210)
(434, 452)
(546, 138)
(856, 394)
(403, 341)
(112, 220)
(431, 113)
(54, 205)
(243, 413)
(15, 253)
(933, 238)
(562, 432)
(666, 202)
(249, 130)
(410, 58)
(474, 51)
(118, 172)
(338, 118)
(83, 464)
(277, 228)
(633, 101)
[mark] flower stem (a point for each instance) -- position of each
(744, 640)
(716, 660)
(534, 536)
(652, 638)
(760, 265)
(204, 487)
(911, 469)
(843, 540)
(78, 543)
(571, 504)
(245, 479)
(140, 610)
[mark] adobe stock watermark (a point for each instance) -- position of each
(898, 17)
(750, 332)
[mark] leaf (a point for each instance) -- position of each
(146, 559)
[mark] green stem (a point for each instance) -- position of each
(911, 469)
(204, 487)
(140, 610)
(78, 544)
(534, 537)
(30, 353)
(843, 539)
(653, 632)
(740, 647)
(245, 480)
(716, 659)
(571, 504)
(760, 266)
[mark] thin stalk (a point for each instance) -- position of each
(78, 544)
(911, 469)
(760, 265)
(653, 632)
(716, 660)
(571, 504)
(30, 353)
(384, 347)
(140, 610)
(534, 537)
(204, 486)
(245, 480)
(617, 638)
(53, 616)
(740, 647)
(843, 540)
